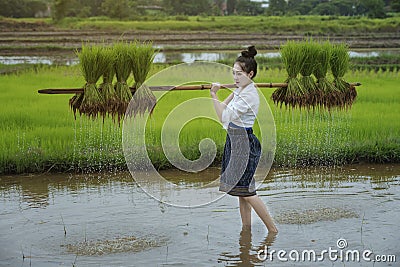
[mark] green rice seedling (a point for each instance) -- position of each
(92, 65)
(312, 94)
(292, 95)
(123, 68)
(107, 89)
(43, 135)
(330, 94)
(340, 62)
(142, 56)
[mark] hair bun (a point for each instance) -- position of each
(245, 54)
(250, 52)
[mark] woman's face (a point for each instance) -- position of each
(241, 78)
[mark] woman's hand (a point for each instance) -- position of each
(214, 88)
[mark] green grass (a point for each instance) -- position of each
(321, 25)
(307, 24)
(39, 133)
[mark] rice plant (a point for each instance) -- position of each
(312, 95)
(75, 103)
(92, 65)
(123, 69)
(339, 63)
(292, 95)
(330, 95)
(107, 89)
(42, 135)
(142, 56)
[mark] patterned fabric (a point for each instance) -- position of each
(242, 152)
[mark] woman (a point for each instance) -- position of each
(242, 149)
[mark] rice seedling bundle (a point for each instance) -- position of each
(123, 68)
(92, 65)
(107, 89)
(312, 95)
(330, 96)
(142, 56)
(340, 62)
(292, 95)
(307, 58)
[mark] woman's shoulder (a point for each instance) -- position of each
(249, 90)
(249, 95)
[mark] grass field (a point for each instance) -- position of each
(39, 133)
(321, 25)
(314, 24)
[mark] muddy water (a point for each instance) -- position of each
(107, 220)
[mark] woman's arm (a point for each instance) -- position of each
(228, 99)
(219, 106)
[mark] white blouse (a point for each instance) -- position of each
(243, 108)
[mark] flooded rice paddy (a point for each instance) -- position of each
(68, 58)
(107, 220)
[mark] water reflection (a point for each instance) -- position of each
(37, 191)
(45, 60)
(163, 57)
(110, 208)
(249, 255)
(35, 195)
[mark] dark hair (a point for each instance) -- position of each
(246, 60)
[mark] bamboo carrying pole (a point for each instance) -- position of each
(52, 91)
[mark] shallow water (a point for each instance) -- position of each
(163, 57)
(107, 220)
